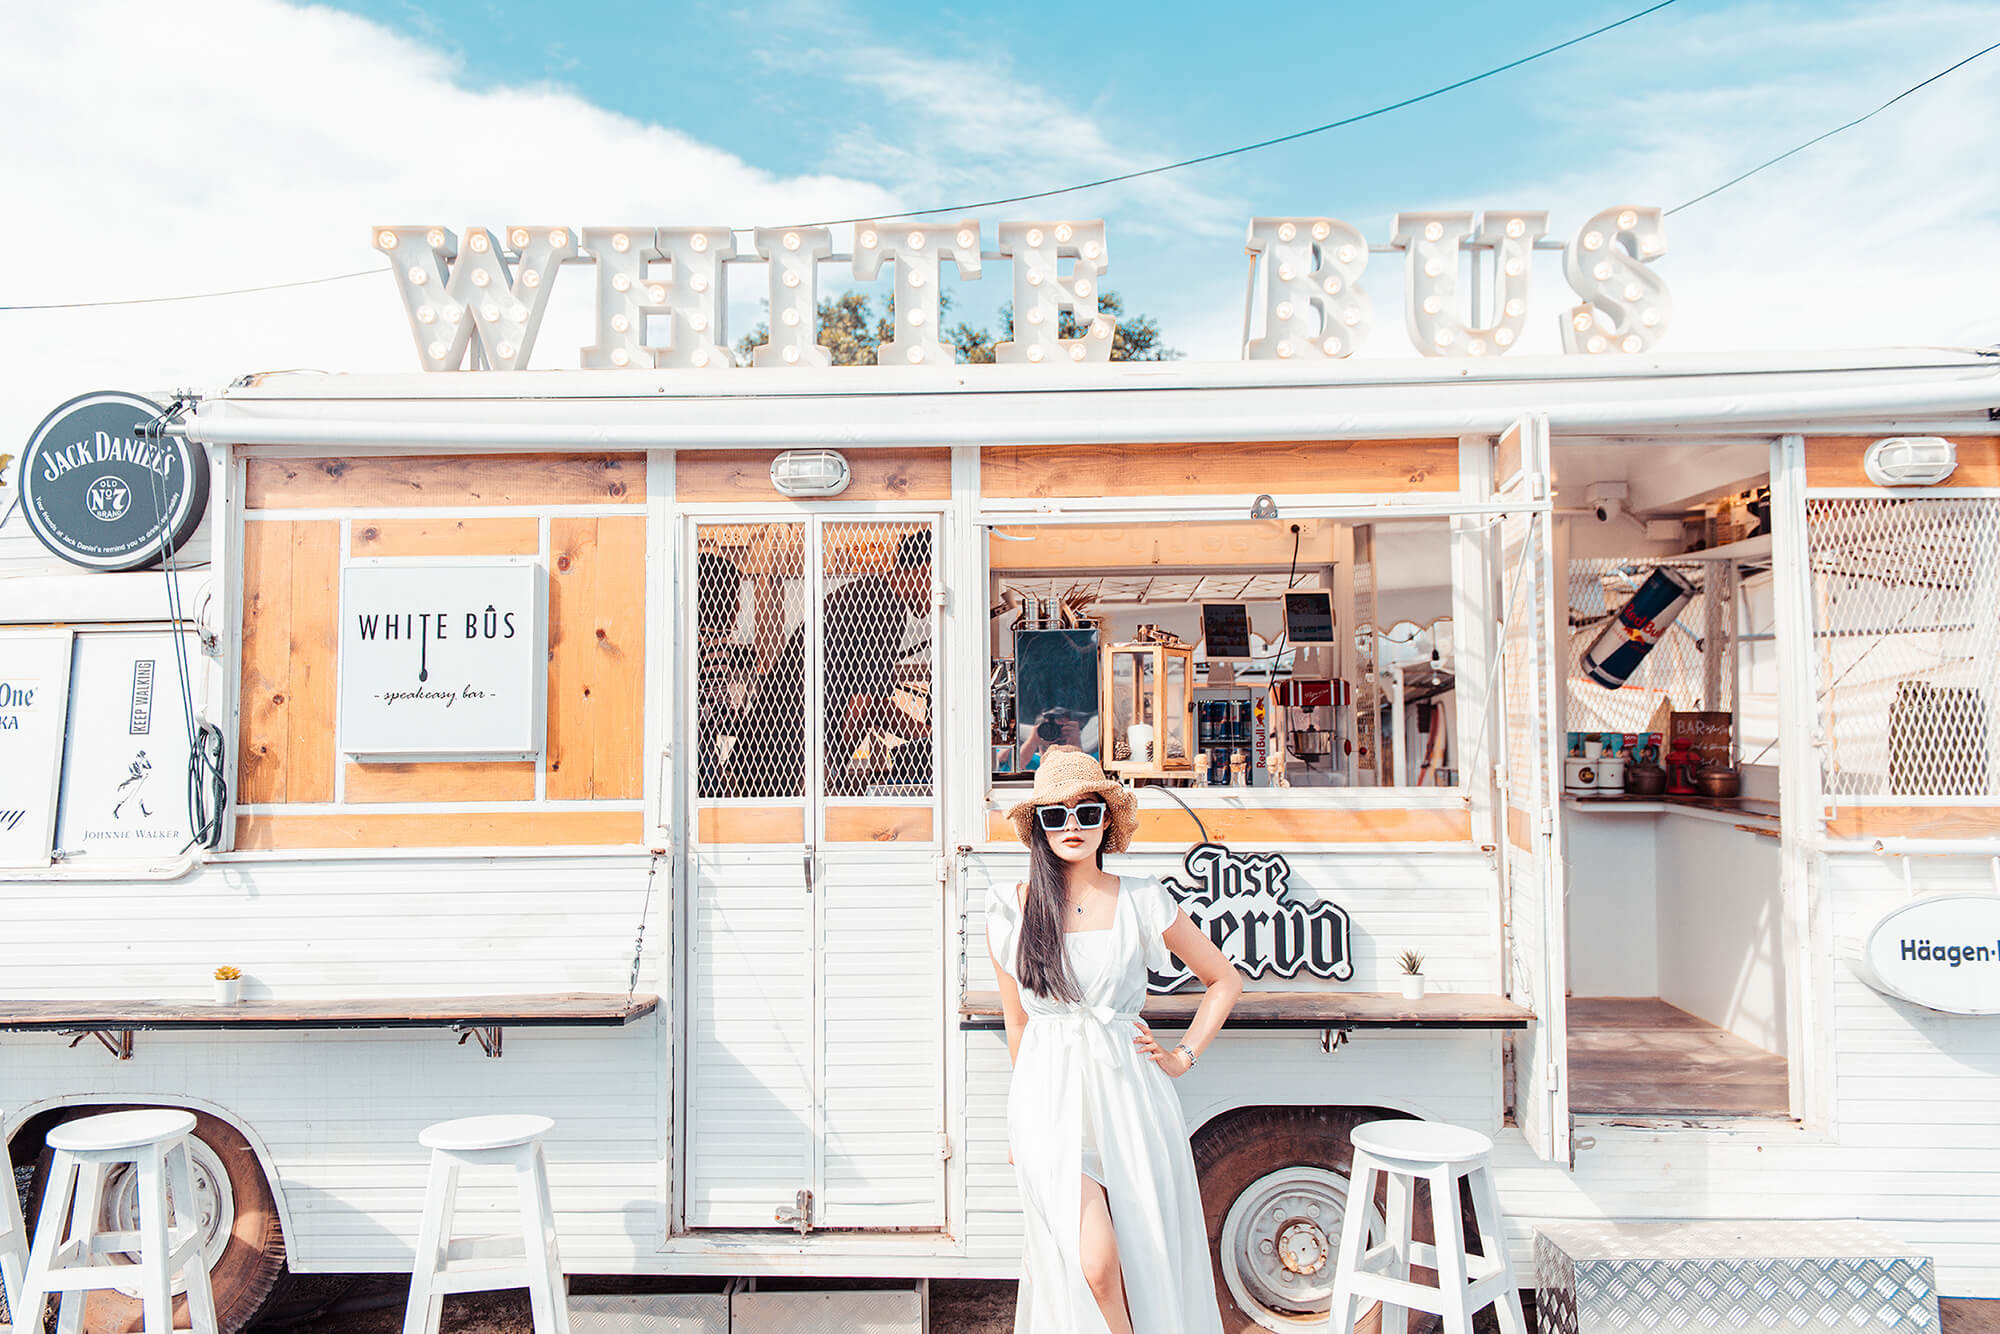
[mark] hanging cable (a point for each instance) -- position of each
(1022, 198)
(1738, 180)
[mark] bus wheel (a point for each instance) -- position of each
(1274, 1191)
(241, 1239)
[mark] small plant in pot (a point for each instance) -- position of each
(1412, 964)
(228, 985)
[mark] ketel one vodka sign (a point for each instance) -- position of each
(1243, 902)
(101, 495)
(442, 661)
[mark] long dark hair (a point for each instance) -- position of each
(1042, 964)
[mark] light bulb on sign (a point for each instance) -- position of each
(1624, 303)
(1434, 244)
(1037, 250)
(1311, 269)
(793, 256)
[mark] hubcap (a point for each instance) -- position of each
(215, 1202)
(1278, 1244)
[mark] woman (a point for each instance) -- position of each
(1113, 1235)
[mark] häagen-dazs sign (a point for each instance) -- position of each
(1242, 902)
(1941, 951)
(443, 661)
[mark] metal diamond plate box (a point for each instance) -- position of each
(856, 1312)
(650, 1313)
(1781, 1278)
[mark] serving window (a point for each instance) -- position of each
(1264, 654)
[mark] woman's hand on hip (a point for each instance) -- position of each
(1174, 1062)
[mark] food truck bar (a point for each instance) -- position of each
(712, 687)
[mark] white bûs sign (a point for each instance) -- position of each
(443, 661)
(34, 693)
(1941, 952)
(125, 766)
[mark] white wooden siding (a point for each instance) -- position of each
(882, 1020)
(339, 1112)
(750, 1040)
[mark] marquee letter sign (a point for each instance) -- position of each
(443, 661)
(489, 298)
(1240, 899)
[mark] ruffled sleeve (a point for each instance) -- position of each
(1003, 926)
(1156, 910)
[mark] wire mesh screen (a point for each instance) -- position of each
(876, 628)
(750, 669)
(1692, 667)
(1906, 639)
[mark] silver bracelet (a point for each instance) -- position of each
(1182, 1046)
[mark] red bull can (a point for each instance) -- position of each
(1617, 652)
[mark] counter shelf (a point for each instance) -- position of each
(1333, 1011)
(113, 1023)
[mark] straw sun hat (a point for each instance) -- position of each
(1067, 772)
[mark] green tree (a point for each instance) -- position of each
(850, 329)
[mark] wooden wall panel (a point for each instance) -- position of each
(265, 726)
(1297, 467)
(402, 481)
(1914, 822)
(503, 780)
(597, 658)
(724, 475)
(508, 829)
(445, 537)
(572, 605)
(719, 825)
(1836, 461)
(880, 824)
(309, 745)
(1278, 825)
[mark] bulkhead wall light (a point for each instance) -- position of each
(810, 473)
(1910, 460)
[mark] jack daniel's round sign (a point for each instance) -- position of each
(98, 495)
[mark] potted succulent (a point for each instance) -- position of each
(228, 985)
(1412, 964)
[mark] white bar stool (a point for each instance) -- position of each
(71, 1252)
(446, 1263)
(1401, 1152)
(13, 1243)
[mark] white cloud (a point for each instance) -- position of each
(155, 151)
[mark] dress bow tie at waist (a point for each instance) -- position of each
(1104, 1032)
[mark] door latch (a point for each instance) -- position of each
(807, 859)
(799, 1215)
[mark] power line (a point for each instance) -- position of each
(199, 296)
(1261, 144)
(988, 203)
(1737, 180)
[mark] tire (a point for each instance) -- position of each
(245, 1246)
(1271, 1273)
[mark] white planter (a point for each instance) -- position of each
(228, 990)
(1413, 986)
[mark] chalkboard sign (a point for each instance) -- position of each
(1708, 733)
(1055, 693)
(1309, 617)
(1225, 630)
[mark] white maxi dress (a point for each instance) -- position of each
(1085, 1101)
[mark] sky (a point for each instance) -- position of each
(212, 144)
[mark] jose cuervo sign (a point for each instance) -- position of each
(1941, 951)
(1243, 902)
(443, 661)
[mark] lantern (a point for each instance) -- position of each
(1148, 710)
